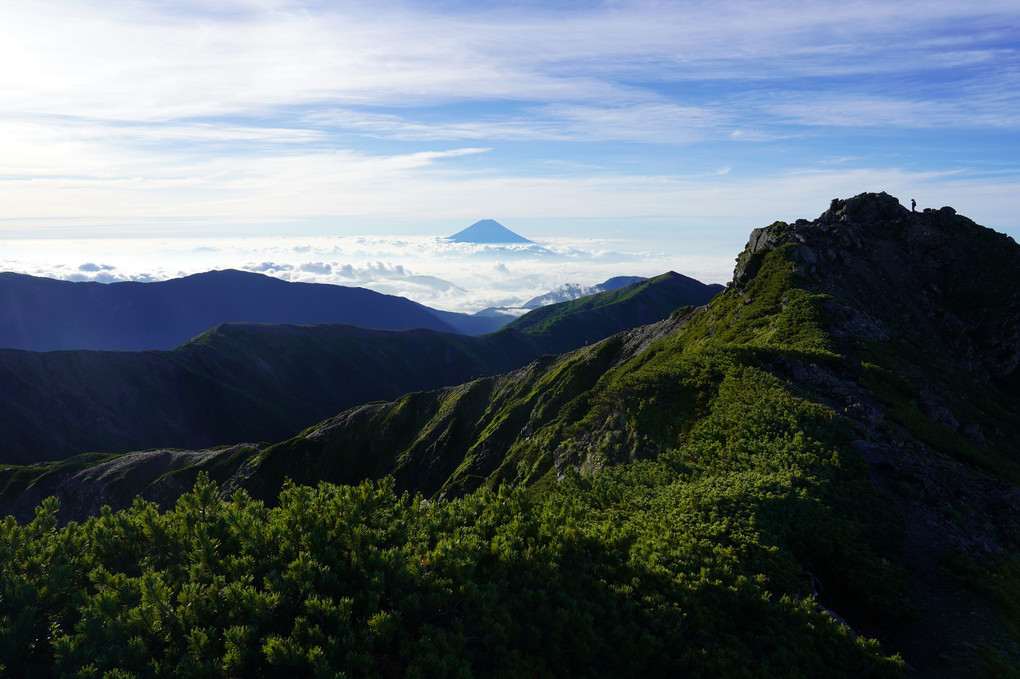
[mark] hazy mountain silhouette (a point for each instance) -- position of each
(43, 314)
(487, 231)
(570, 291)
(564, 293)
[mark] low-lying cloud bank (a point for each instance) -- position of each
(434, 271)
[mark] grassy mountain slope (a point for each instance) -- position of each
(259, 382)
(921, 383)
(762, 487)
(237, 382)
(565, 326)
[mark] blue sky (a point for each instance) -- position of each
(678, 123)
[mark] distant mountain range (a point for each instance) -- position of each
(487, 231)
(43, 314)
(570, 291)
(258, 382)
(564, 293)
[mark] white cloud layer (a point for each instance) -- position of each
(436, 272)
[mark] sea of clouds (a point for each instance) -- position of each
(434, 271)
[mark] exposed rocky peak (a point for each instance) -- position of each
(924, 308)
(864, 208)
(934, 278)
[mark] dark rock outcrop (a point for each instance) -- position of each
(937, 273)
(925, 309)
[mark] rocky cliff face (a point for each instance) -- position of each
(930, 296)
(934, 274)
(924, 309)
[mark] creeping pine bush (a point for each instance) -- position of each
(689, 565)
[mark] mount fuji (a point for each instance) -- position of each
(487, 231)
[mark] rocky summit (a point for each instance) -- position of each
(934, 272)
(924, 309)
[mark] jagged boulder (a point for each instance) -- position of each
(866, 208)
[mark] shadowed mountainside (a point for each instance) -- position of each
(43, 314)
(259, 382)
(237, 382)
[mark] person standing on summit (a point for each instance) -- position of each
(913, 204)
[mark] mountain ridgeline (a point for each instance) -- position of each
(571, 291)
(43, 314)
(266, 382)
(815, 474)
(565, 326)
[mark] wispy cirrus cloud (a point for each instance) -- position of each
(260, 111)
(151, 62)
(647, 122)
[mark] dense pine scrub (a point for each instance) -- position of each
(703, 562)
